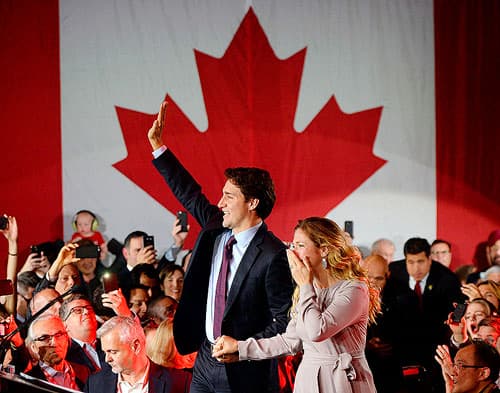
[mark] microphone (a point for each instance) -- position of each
(6, 339)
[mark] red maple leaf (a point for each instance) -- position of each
(251, 97)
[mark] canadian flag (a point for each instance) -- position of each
(380, 112)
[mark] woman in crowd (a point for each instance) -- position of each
(332, 306)
(464, 330)
(172, 280)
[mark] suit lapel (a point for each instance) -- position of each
(249, 258)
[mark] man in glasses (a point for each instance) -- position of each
(474, 370)
(48, 342)
(81, 324)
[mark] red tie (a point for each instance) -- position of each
(418, 292)
(221, 288)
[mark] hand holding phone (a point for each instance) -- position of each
(182, 221)
(109, 282)
(458, 313)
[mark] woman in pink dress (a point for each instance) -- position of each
(332, 306)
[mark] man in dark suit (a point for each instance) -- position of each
(418, 298)
(48, 343)
(259, 284)
(124, 344)
(81, 324)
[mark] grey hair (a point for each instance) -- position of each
(129, 329)
(30, 335)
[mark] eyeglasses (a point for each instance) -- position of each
(460, 366)
(79, 310)
(46, 338)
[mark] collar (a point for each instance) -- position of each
(244, 238)
(142, 382)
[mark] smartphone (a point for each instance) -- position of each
(90, 251)
(183, 220)
(458, 313)
(4, 222)
(36, 250)
(148, 241)
(6, 287)
(109, 282)
(349, 228)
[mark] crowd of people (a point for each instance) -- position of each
(244, 311)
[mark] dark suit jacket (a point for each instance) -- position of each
(161, 380)
(260, 295)
(416, 332)
(81, 373)
(76, 354)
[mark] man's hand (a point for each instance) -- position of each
(156, 130)
(146, 255)
(117, 302)
(179, 237)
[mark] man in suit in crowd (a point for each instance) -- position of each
(48, 341)
(418, 297)
(81, 324)
(124, 344)
(258, 282)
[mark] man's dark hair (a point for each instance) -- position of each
(254, 183)
(439, 241)
(146, 268)
(133, 235)
(65, 308)
(485, 355)
(27, 280)
(416, 245)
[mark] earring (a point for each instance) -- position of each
(324, 263)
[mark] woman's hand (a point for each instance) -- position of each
(471, 291)
(65, 257)
(225, 349)
(301, 269)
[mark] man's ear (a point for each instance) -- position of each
(136, 346)
(253, 203)
(485, 373)
(125, 252)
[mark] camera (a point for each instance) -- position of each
(4, 222)
(90, 251)
(183, 220)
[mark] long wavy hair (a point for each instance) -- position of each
(343, 259)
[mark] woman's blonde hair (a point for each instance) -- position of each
(160, 348)
(343, 260)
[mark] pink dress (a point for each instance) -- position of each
(330, 327)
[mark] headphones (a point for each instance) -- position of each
(95, 221)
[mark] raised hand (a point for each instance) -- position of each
(156, 130)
